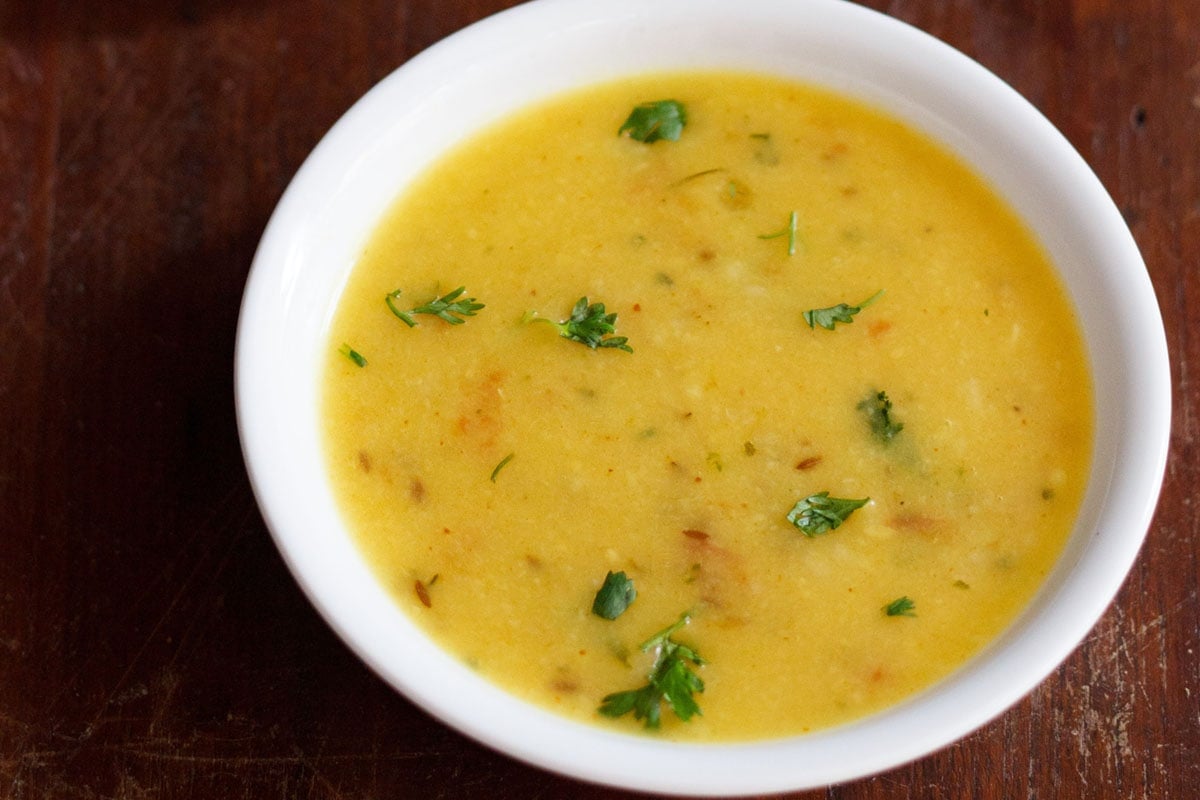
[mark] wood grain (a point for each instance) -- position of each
(152, 643)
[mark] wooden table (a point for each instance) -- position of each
(152, 643)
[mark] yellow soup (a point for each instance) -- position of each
(843, 444)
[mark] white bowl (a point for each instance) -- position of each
(506, 61)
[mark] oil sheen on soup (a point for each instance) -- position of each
(830, 444)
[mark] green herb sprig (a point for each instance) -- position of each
(789, 231)
(671, 681)
(828, 318)
(819, 513)
(651, 121)
(444, 307)
(588, 324)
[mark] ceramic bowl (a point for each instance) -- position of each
(547, 46)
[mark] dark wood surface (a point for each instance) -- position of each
(152, 643)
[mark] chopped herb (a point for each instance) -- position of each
(503, 463)
(961, 584)
(900, 607)
(828, 317)
(878, 410)
(614, 596)
(670, 681)
(444, 307)
(749, 449)
(789, 231)
(352, 354)
(651, 121)
(737, 194)
(764, 150)
(714, 460)
(588, 324)
(618, 650)
(695, 175)
(819, 513)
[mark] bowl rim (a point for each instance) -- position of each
(300, 267)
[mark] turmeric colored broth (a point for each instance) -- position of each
(678, 463)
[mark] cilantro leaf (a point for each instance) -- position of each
(651, 121)
(671, 681)
(643, 702)
(878, 410)
(444, 307)
(588, 324)
(827, 318)
(614, 596)
(900, 607)
(678, 685)
(819, 513)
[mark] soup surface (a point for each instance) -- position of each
(820, 307)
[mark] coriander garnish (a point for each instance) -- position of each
(900, 607)
(789, 231)
(819, 513)
(878, 410)
(503, 462)
(828, 317)
(651, 121)
(614, 596)
(444, 307)
(695, 175)
(352, 354)
(670, 681)
(588, 324)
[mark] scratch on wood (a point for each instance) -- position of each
(232, 761)
(318, 777)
